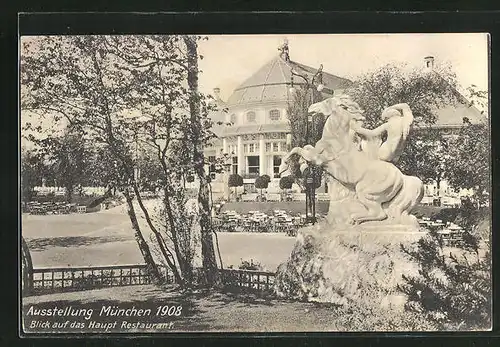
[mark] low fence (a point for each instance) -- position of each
(247, 280)
(56, 280)
(51, 280)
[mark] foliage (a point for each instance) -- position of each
(132, 96)
(479, 99)
(267, 178)
(250, 265)
(303, 130)
(32, 169)
(426, 155)
(262, 182)
(314, 172)
(453, 288)
(69, 157)
(150, 173)
(425, 92)
(470, 167)
(235, 180)
(366, 314)
(286, 182)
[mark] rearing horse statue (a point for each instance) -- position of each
(383, 192)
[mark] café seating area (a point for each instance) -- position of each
(451, 234)
(279, 221)
(44, 208)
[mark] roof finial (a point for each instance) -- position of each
(284, 52)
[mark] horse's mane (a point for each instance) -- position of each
(333, 141)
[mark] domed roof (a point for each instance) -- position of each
(272, 82)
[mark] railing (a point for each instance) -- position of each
(55, 280)
(247, 280)
(250, 175)
(84, 278)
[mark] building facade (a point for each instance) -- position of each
(255, 134)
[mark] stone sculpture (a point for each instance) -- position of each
(364, 183)
(356, 255)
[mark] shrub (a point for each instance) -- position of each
(367, 315)
(453, 287)
(262, 182)
(250, 265)
(266, 177)
(286, 182)
(235, 180)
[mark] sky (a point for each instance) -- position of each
(230, 59)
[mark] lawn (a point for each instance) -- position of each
(219, 312)
(106, 238)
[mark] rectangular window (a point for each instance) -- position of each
(253, 165)
(251, 148)
(275, 147)
(276, 166)
(235, 165)
(268, 147)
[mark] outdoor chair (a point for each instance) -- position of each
(81, 209)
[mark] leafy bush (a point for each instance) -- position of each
(250, 265)
(453, 287)
(93, 281)
(286, 182)
(235, 180)
(367, 315)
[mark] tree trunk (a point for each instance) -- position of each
(207, 244)
(27, 269)
(185, 276)
(69, 193)
(151, 266)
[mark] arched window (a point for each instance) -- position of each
(251, 117)
(274, 115)
(232, 119)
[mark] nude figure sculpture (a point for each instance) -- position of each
(346, 153)
(399, 119)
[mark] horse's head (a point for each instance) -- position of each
(340, 110)
(342, 106)
(325, 107)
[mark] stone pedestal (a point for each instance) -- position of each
(342, 265)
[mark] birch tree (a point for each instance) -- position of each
(132, 95)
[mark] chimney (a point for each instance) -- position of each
(429, 63)
(217, 93)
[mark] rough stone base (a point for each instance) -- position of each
(353, 263)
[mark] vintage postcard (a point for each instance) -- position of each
(255, 183)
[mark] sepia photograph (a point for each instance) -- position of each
(255, 183)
